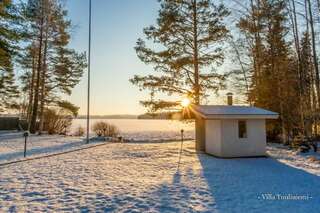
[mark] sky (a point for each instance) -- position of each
(116, 26)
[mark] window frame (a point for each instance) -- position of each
(242, 129)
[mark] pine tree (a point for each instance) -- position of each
(277, 66)
(68, 70)
(9, 36)
(188, 41)
(308, 80)
(27, 61)
(275, 74)
(51, 68)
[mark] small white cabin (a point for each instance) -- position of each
(232, 131)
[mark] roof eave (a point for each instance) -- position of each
(239, 116)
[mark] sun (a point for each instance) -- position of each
(185, 102)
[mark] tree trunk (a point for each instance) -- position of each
(195, 54)
(31, 88)
(313, 109)
(256, 52)
(200, 144)
(43, 81)
(281, 103)
(33, 124)
(314, 51)
(244, 72)
(297, 47)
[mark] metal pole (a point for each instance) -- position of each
(89, 67)
(25, 146)
(180, 148)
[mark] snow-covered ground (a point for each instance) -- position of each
(309, 161)
(12, 145)
(141, 177)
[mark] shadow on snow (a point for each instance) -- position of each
(239, 185)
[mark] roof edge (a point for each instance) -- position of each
(250, 116)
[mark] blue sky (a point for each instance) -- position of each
(116, 25)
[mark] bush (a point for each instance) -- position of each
(57, 122)
(79, 131)
(105, 129)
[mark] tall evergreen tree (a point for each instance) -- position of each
(188, 41)
(274, 66)
(308, 82)
(9, 36)
(51, 68)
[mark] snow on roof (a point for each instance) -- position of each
(222, 111)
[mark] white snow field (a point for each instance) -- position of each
(144, 177)
(12, 145)
(309, 161)
(145, 130)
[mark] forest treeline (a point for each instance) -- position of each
(36, 65)
(271, 47)
(277, 51)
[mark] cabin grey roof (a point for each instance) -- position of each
(226, 111)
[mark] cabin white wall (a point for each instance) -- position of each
(253, 145)
(213, 137)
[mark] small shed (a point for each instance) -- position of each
(232, 131)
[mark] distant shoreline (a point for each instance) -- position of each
(108, 117)
(123, 118)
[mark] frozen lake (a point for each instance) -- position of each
(139, 129)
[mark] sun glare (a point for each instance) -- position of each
(185, 102)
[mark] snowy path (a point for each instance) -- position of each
(141, 177)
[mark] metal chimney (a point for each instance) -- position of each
(229, 98)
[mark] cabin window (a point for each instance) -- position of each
(242, 129)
